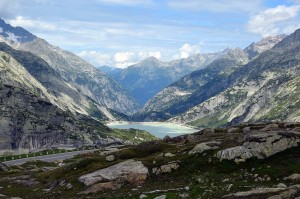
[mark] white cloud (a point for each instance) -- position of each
(273, 21)
(29, 23)
(127, 2)
(187, 50)
(9, 8)
(97, 58)
(118, 59)
(217, 5)
(123, 56)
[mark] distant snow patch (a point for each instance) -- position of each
(12, 36)
(182, 93)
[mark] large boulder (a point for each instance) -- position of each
(238, 152)
(131, 171)
(261, 145)
(204, 146)
(294, 178)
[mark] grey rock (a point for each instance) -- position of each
(270, 127)
(24, 180)
(109, 151)
(161, 197)
(281, 185)
(294, 177)
(238, 152)
(246, 129)
(143, 196)
(233, 130)
(167, 168)
(69, 186)
(4, 167)
(169, 154)
(105, 186)
(258, 192)
(260, 145)
(110, 158)
(269, 193)
(134, 172)
(184, 195)
(205, 146)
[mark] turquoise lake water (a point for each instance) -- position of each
(158, 129)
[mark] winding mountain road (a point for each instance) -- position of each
(48, 158)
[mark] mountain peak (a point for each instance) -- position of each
(151, 59)
(148, 62)
(16, 34)
(289, 40)
(264, 44)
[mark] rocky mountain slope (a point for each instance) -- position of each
(184, 93)
(245, 161)
(41, 110)
(203, 84)
(265, 89)
(84, 79)
(28, 119)
(265, 44)
(145, 79)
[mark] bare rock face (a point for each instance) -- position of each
(204, 146)
(30, 117)
(261, 145)
(131, 171)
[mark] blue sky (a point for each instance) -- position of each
(123, 32)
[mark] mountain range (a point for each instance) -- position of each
(264, 89)
(144, 79)
(51, 97)
(80, 77)
(201, 84)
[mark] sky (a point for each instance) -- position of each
(120, 33)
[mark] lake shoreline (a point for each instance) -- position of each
(158, 129)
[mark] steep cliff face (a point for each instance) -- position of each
(266, 89)
(29, 120)
(81, 75)
(60, 93)
(81, 80)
